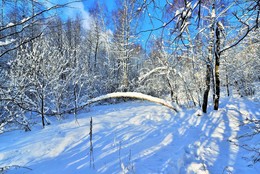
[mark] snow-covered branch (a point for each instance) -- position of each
(135, 95)
(145, 76)
(27, 19)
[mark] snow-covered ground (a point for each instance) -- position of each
(140, 137)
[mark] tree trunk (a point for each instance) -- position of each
(210, 59)
(217, 59)
(75, 99)
(125, 76)
(96, 53)
(206, 93)
(171, 87)
(42, 109)
(227, 84)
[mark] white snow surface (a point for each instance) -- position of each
(138, 137)
(6, 42)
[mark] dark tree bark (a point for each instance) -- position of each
(96, 45)
(75, 99)
(217, 60)
(206, 93)
(227, 84)
(209, 60)
(42, 109)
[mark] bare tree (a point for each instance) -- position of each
(124, 39)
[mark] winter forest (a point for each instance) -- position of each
(115, 86)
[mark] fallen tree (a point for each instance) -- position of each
(135, 95)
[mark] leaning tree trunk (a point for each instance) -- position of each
(210, 59)
(217, 59)
(135, 95)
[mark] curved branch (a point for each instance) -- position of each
(145, 76)
(135, 95)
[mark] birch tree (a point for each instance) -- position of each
(209, 59)
(124, 39)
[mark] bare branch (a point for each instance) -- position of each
(17, 46)
(248, 29)
(25, 20)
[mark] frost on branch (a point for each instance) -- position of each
(184, 15)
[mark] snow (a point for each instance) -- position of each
(25, 20)
(139, 137)
(10, 24)
(179, 11)
(135, 95)
(6, 42)
(188, 5)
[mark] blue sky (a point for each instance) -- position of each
(109, 3)
(82, 8)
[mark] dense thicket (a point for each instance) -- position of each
(50, 65)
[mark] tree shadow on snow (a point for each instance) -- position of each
(154, 139)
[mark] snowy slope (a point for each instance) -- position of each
(140, 137)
